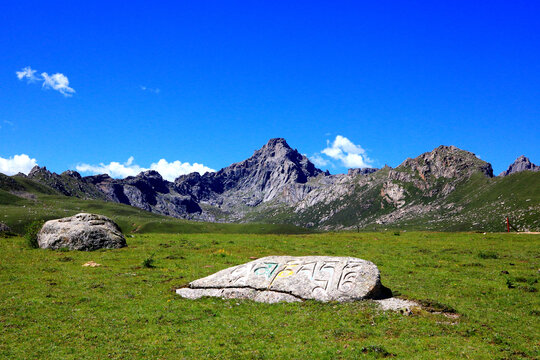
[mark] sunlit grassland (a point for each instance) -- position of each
(53, 307)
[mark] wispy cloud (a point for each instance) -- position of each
(168, 170)
(18, 163)
(344, 151)
(57, 81)
(10, 123)
(114, 169)
(318, 160)
(27, 73)
(152, 90)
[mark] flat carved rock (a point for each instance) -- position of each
(287, 278)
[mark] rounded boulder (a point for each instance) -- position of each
(83, 231)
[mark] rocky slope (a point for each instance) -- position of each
(275, 173)
(522, 163)
(69, 183)
(279, 185)
(415, 188)
(147, 191)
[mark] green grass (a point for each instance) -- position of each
(53, 307)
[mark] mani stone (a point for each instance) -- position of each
(287, 278)
(81, 232)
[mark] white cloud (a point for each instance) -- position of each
(168, 170)
(114, 169)
(349, 154)
(18, 163)
(27, 73)
(171, 170)
(153, 90)
(319, 161)
(57, 81)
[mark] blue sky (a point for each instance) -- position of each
(209, 82)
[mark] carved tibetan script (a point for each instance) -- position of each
(324, 275)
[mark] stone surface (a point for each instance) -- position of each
(287, 278)
(397, 304)
(265, 296)
(81, 232)
(91, 264)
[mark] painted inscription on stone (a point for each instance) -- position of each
(320, 273)
(323, 278)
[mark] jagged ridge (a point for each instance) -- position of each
(278, 184)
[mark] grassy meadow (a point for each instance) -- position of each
(479, 294)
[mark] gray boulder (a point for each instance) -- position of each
(81, 232)
(4, 227)
(287, 278)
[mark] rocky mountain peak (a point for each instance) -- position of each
(276, 142)
(276, 162)
(522, 163)
(71, 173)
(150, 174)
(263, 177)
(148, 181)
(38, 171)
(276, 149)
(447, 162)
(96, 179)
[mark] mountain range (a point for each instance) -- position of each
(445, 189)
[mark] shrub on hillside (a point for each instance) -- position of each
(149, 262)
(488, 255)
(31, 231)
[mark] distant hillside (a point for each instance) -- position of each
(23, 200)
(444, 189)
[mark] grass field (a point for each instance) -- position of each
(53, 307)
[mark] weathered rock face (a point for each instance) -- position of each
(147, 191)
(81, 232)
(522, 163)
(68, 183)
(273, 172)
(361, 171)
(287, 278)
(447, 162)
(393, 194)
